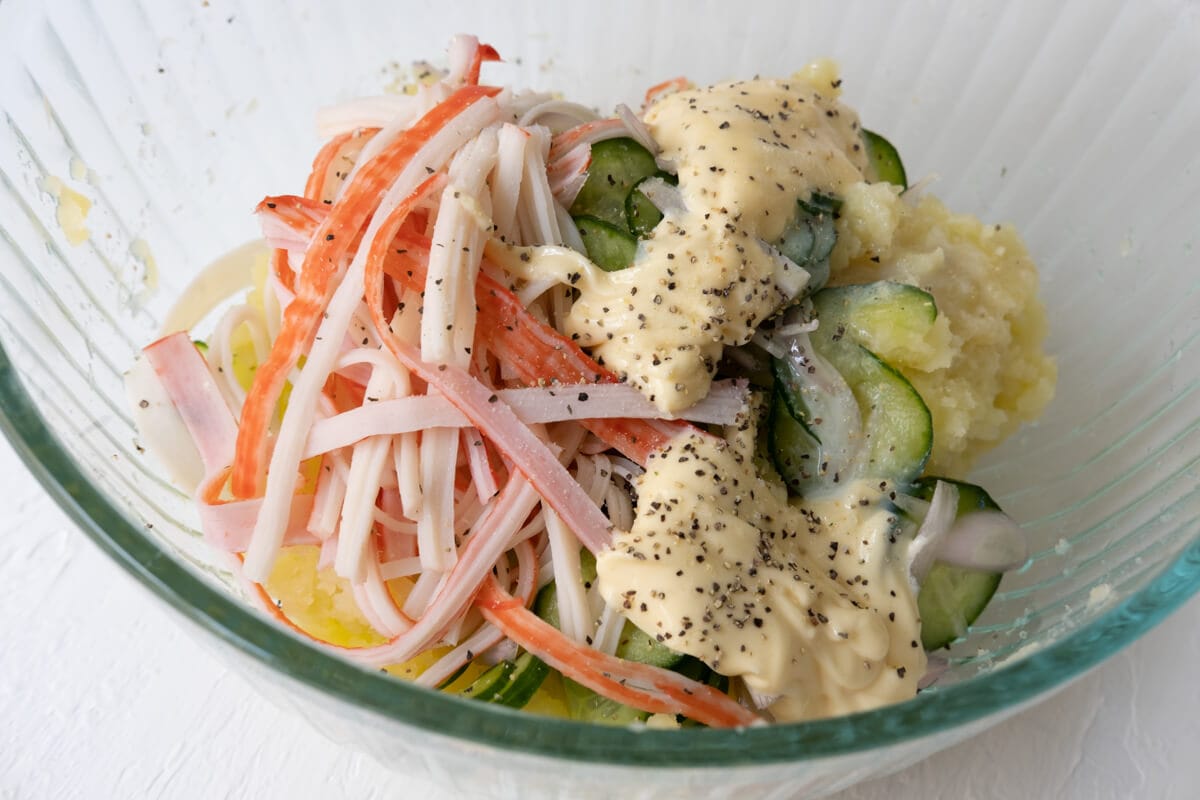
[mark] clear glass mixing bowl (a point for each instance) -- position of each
(1074, 120)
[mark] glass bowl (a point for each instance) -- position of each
(1076, 121)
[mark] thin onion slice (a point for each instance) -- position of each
(989, 541)
(938, 522)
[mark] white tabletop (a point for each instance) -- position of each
(102, 695)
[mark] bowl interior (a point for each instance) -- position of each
(1073, 121)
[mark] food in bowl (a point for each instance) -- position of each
(656, 418)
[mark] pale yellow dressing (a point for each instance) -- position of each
(807, 601)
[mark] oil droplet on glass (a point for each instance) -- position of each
(72, 209)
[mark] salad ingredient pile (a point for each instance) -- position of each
(660, 417)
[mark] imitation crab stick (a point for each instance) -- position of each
(493, 418)
(323, 265)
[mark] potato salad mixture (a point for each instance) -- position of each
(662, 417)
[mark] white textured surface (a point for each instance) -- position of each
(103, 695)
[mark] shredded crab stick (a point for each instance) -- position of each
(642, 686)
(661, 90)
(333, 162)
(486, 635)
(227, 526)
(532, 406)
(490, 538)
(418, 154)
(493, 418)
(323, 265)
(448, 328)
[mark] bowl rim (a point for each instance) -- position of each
(1006, 688)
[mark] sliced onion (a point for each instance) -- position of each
(935, 668)
(665, 197)
(923, 549)
(990, 541)
(761, 701)
(557, 115)
(790, 278)
(220, 280)
(836, 419)
(637, 128)
(773, 346)
(161, 428)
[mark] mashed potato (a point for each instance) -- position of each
(981, 370)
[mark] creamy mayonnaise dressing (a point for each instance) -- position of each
(705, 277)
(805, 600)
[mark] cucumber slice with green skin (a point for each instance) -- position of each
(697, 670)
(952, 598)
(510, 683)
(617, 166)
(885, 159)
(637, 645)
(970, 497)
(608, 247)
(795, 452)
(489, 684)
(821, 204)
(810, 237)
(897, 426)
(852, 313)
(641, 215)
(586, 705)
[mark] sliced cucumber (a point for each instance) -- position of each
(697, 670)
(896, 423)
(488, 685)
(608, 247)
(952, 598)
(510, 683)
(817, 440)
(586, 705)
(810, 237)
(795, 452)
(617, 166)
(637, 645)
(641, 215)
(970, 497)
(821, 204)
(854, 312)
(884, 159)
